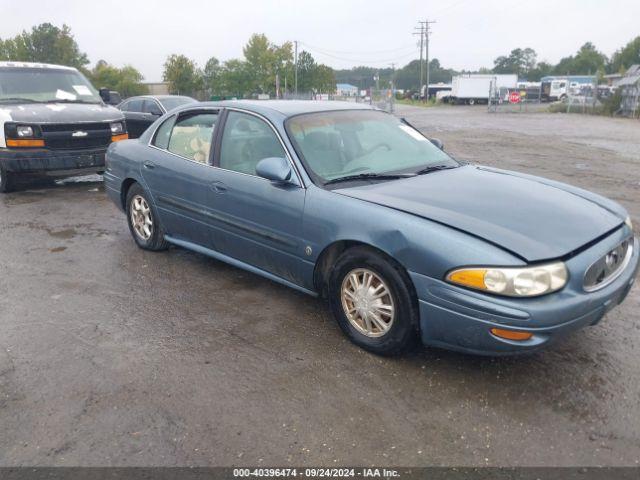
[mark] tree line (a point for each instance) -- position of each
(265, 65)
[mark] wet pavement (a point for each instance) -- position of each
(110, 355)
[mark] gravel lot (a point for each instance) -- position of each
(114, 356)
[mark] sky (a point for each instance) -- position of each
(468, 34)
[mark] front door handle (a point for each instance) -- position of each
(218, 187)
(149, 165)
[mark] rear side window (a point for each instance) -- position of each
(163, 134)
(192, 135)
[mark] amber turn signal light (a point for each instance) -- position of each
(122, 136)
(511, 334)
(25, 142)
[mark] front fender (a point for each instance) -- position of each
(419, 245)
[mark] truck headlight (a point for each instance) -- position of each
(628, 223)
(24, 131)
(117, 128)
(512, 282)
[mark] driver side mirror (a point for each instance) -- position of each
(438, 143)
(276, 169)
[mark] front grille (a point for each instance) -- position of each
(609, 267)
(72, 127)
(79, 143)
(70, 136)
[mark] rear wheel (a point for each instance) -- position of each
(7, 181)
(143, 220)
(371, 298)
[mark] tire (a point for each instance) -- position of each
(155, 240)
(7, 181)
(402, 327)
(471, 101)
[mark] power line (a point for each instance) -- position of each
(404, 47)
(359, 60)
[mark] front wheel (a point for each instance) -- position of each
(371, 298)
(143, 220)
(7, 181)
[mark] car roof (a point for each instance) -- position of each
(35, 65)
(159, 97)
(289, 108)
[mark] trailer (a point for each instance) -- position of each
(474, 88)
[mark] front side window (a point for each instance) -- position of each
(191, 136)
(150, 106)
(45, 85)
(135, 105)
(247, 140)
(349, 142)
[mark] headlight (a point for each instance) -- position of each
(513, 282)
(628, 222)
(24, 131)
(117, 128)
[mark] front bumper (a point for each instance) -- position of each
(460, 319)
(44, 161)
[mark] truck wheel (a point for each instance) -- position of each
(6, 181)
(370, 297)
(143, 220)
(471, 101)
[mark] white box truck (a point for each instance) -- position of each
(472, 88)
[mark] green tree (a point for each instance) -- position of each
(626, 56)
(182, 74)
(211, 75)
(264, 60)
(520, 61)
(44, 43)
(234, 79)
(126, 80)
(324, 79)
(588, 60)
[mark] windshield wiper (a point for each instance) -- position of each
(367, 176)
(434, 168)
(17, 99)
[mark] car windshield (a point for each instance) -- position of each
(170, 103)
(45, 85)
(350, 142)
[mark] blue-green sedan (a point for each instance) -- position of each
(354, 204)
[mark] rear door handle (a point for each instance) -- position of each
(218, 187)
(149, 165)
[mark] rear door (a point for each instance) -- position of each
(180, 173)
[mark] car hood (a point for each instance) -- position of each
(58, 113)
(534, 218)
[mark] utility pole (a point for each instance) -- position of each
(420, 31)
(296, 70)
(427, 31)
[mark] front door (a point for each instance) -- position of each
(260, 221)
